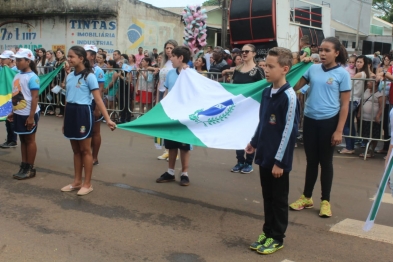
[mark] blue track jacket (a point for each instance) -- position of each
(276, 133)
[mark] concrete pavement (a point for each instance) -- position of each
(129, 217)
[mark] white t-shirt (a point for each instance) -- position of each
(163, 72)
(370, 105)
(22, 86)
(273, 91)
(358, 87)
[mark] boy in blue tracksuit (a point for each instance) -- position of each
(274, 142)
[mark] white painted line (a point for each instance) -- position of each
(355, 228)
(286, 260)
(386, 198)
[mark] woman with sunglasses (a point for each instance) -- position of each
(245, 73)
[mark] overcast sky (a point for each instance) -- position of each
(173, 3)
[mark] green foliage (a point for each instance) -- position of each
(211, 2)
(386, 7)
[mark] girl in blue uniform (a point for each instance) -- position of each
(325, 113)
(79, 119)
(25, 88)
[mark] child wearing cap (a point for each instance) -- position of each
(25, 88)
(8, 60)
(91, 51)
(78, 117)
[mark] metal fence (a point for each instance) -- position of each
(134, 93)
(369, 93)
(48, 100)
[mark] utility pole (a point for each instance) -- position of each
(357, 30)
(224, 29)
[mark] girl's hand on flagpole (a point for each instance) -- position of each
(249, 149)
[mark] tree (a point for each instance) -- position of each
(211, 2)
(386, 7)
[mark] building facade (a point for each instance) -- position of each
(124, 25)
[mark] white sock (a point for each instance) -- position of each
(171, 171)
(184, 174)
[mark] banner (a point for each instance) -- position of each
(203, 112)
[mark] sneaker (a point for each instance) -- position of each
(325, 209)
(27, 172)
(184, 181)
(22, 166)
(247, 169)
(164, 156)
(270, 246)
(237, 168)
(302, 203)
(8, 144)
(257, 244)
(166, 177)
(12, 144)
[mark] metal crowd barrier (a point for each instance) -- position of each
(359, 120)
(48, 100)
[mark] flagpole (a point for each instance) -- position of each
(378, 198)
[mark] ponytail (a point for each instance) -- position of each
(343, 54)
(81, 52)
(33, 66)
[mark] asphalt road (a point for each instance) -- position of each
(129, 217)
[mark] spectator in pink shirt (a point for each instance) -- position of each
(139, 56)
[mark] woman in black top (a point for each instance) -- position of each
(248, 72)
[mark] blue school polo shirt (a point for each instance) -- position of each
(79, 89)
(171, 78)
(99, 73)
(323, 96)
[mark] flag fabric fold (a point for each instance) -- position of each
(206, 113)
(6, 78)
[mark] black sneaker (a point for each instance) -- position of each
(11, 144)
(184, 181)
(8, 144)
(28, 172)
(166, 177)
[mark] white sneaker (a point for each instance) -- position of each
(164, 156)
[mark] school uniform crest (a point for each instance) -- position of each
(330, 81)
(215, 114)
(83, 129)
(79, 84)
(100, 75)
(272, 119)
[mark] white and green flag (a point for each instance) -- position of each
(203, 112)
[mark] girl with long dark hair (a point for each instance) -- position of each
(325, 113)
(79, 119)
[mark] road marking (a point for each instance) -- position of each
(386, 198)
(355, 228)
